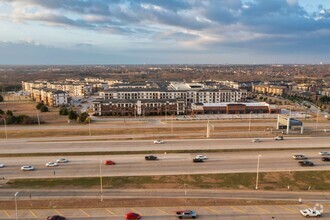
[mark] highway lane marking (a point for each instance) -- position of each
(134, 210)
(264, 210)
(34, 214)
(111, 212)
(212, 210)
(237, 209)
(6, 213)
(58, 212)
(288, 209)
(84, 213)
(164, 212)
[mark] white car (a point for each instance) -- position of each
(62, 160)
(256, 140)
(299, 157)
(310, 213)
(202, 157)
(27, 168)
(159, 142)
(51, 164)
(323, 153)
(2, 165)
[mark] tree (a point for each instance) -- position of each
(63, 111)
(1, 112)
(83, 117)
(1, 98)
(39, 105)
(9, 113)
(44, 108)
(72, 115)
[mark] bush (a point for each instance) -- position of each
(39, 105)
(9, 113)
(83, 117)
(1, 112)
(44, 108)
(63, 111)
(1, 98)
(72, 115)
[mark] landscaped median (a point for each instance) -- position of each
(293, 181)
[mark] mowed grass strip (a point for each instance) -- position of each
(302, 180)
(150, 152)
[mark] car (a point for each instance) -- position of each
(186, 214)
(2, 165)
(310, 213)
(256, 140)
(62, 160)
(306, 163)
(198, 160)
(323, 153)
(159, 142)
(133, 215)
(299, 157)
(109, 162)
(201, 157)
(279, 138)
(27, 168)
(150, 157)
(325, 158)
(56, 217)
(51, 164)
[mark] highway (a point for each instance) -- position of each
(168, 164)
(92, 144)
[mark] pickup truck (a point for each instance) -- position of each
(186, 214)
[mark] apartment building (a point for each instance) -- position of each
(125, 107)
(54, 98)
(269, 89)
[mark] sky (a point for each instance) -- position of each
(49, 32)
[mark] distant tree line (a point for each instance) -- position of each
(20, 119)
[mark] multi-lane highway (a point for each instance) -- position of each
(168, 164)
(48, 145)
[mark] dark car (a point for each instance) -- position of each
(109, 162)
(306, 163)
(56, 217)
(133, 215)
(198, 160)
(150, 157)
(325, 158)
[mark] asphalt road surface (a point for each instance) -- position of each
(168, 164)
(42, 145)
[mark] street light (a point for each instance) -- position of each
(16, 205)
(250, 121)
(257, 179)
(101, 184)
(38, 117)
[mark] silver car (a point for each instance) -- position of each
(27, 168)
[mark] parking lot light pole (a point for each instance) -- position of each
(101, 184)
(16, 214)
(257, 179)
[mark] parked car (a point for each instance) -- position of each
(256, 140)
(109, 162)
(51, 164)
(279, 138)
(324, 153)
(2, 165)
(150, 157)
(325, 158)
(56, 217)
(310, 213)
(306, 163)
(159, 142)
(198, 160)
(133, 215)
(299, 157)
(62, 160)
(186, 214)
(27, 168)
(201, 157)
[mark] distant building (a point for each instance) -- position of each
(269, 89)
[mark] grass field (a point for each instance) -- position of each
(316, 180)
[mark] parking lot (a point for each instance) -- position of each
(207, 212)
